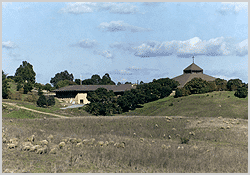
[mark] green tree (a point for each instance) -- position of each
(119, 83)
(42, 101)
(241, 92)
(167, 82)
(221, 85)
(212, 86)
(78, 81)
(234, 84)
(26, 73)
(62, 83)
(197, 86)
(61, 76)
(19, 86)
(102, 102)
(27, 88)
(106, 80)
(128, 83)
(47, 87)
(51, 100)
(5, 86)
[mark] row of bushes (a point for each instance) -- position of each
(103, 102)
(199, 86)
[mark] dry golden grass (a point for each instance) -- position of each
(211, 149)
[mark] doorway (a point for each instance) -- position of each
(81, 101)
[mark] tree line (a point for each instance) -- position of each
(105, 102)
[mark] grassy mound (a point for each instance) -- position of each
(214, 104)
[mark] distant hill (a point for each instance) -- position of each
(202, 105)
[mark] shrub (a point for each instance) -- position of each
(31, 97)
(241, 92)
(42, 101)
(178, 93)
(16, 96)
(171, 104)
(51, 101)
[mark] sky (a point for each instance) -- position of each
(128, 40)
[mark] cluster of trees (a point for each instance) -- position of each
(199, 86)
(103, 102)
(97, 80)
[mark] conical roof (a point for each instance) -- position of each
(193, 67)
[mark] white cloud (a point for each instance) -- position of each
(116, 26)
(195, 46)
(89, 7)
(105, 53)
(232, 7)
(9, 45)
(242, 48)
(127, 47)
(85, 43)
(79, 8)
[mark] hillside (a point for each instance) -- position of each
(202, 105)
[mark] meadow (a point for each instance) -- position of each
(203, 133)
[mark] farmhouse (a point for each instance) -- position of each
(192, 71)
(77, 94)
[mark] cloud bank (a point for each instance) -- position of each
(116, 26)
(89, 7)
(193, 47)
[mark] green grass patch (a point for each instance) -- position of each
(21, 114)
(197, 105)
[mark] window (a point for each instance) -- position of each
(81, 101)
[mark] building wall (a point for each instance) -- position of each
(83, 97)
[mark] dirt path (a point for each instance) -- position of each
(14, 104)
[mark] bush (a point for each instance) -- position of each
(42, 101)
(51, 101)
(31, 97)
(241, 92)
(16, 96)
(178, 93)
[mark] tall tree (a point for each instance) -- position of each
(61, 76)
(26, 73)
(106, 80)
(5, 86)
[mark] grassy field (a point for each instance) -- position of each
(202, 105)
(215, 145)
(211, 149)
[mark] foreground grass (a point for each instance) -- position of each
(202, 105)
(218, 150)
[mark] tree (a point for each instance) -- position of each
(167, 82)
(62, 83)
(221, 85)
(27, 87)
(106, 80)
(119, 83)
(102, 102)
(25, 73)
(47, 87)
(5, 86)
(19, 86)
(51, 101)
(78, 81)
(42, 101)
(212, 86)
(234, 84)
(128, 83)
(241, 92)
(197, 86)
(61, 76)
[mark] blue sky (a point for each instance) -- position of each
(130, 41)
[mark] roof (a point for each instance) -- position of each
(193, 67)
(184, 78)
(115, 88)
